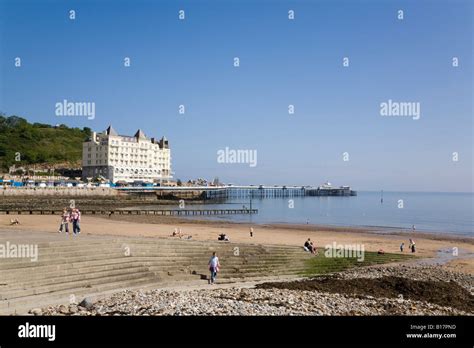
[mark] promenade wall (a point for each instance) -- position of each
(58, 191)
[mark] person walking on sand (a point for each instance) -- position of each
(214, 266)
(251, 231)
(76, 218)
(64, 226)
(401, 247)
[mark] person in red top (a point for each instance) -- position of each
(76, 218)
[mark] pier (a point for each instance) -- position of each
(164, 212)
(225, 192)
(277, 192)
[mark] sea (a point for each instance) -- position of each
(451, 213)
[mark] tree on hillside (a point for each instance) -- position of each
(22, 143)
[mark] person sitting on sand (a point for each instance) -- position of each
(313, 249)
(223, 237)
(177, 233)
(308, 245)
(14, 222)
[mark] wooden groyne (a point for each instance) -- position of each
(164, 212)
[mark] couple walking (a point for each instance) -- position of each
(73, 216)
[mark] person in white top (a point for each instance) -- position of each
(214, 266)
(64, 221)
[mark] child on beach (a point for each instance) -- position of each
(214, 266)
(401, 247)
(64, 221)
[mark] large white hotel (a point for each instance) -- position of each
(121, 158)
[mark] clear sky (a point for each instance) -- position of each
(282, 62)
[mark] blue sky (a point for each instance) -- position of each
(283, 62)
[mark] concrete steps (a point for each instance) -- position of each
(34, 283)
(22, 305)
(87, 265)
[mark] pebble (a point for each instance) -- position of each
(251, 301)
(36, 311)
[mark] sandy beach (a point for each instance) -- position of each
(439, 247)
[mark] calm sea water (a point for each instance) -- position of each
(436, 212)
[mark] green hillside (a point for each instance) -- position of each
(38, 143)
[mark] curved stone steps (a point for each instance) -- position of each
(92, 264)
